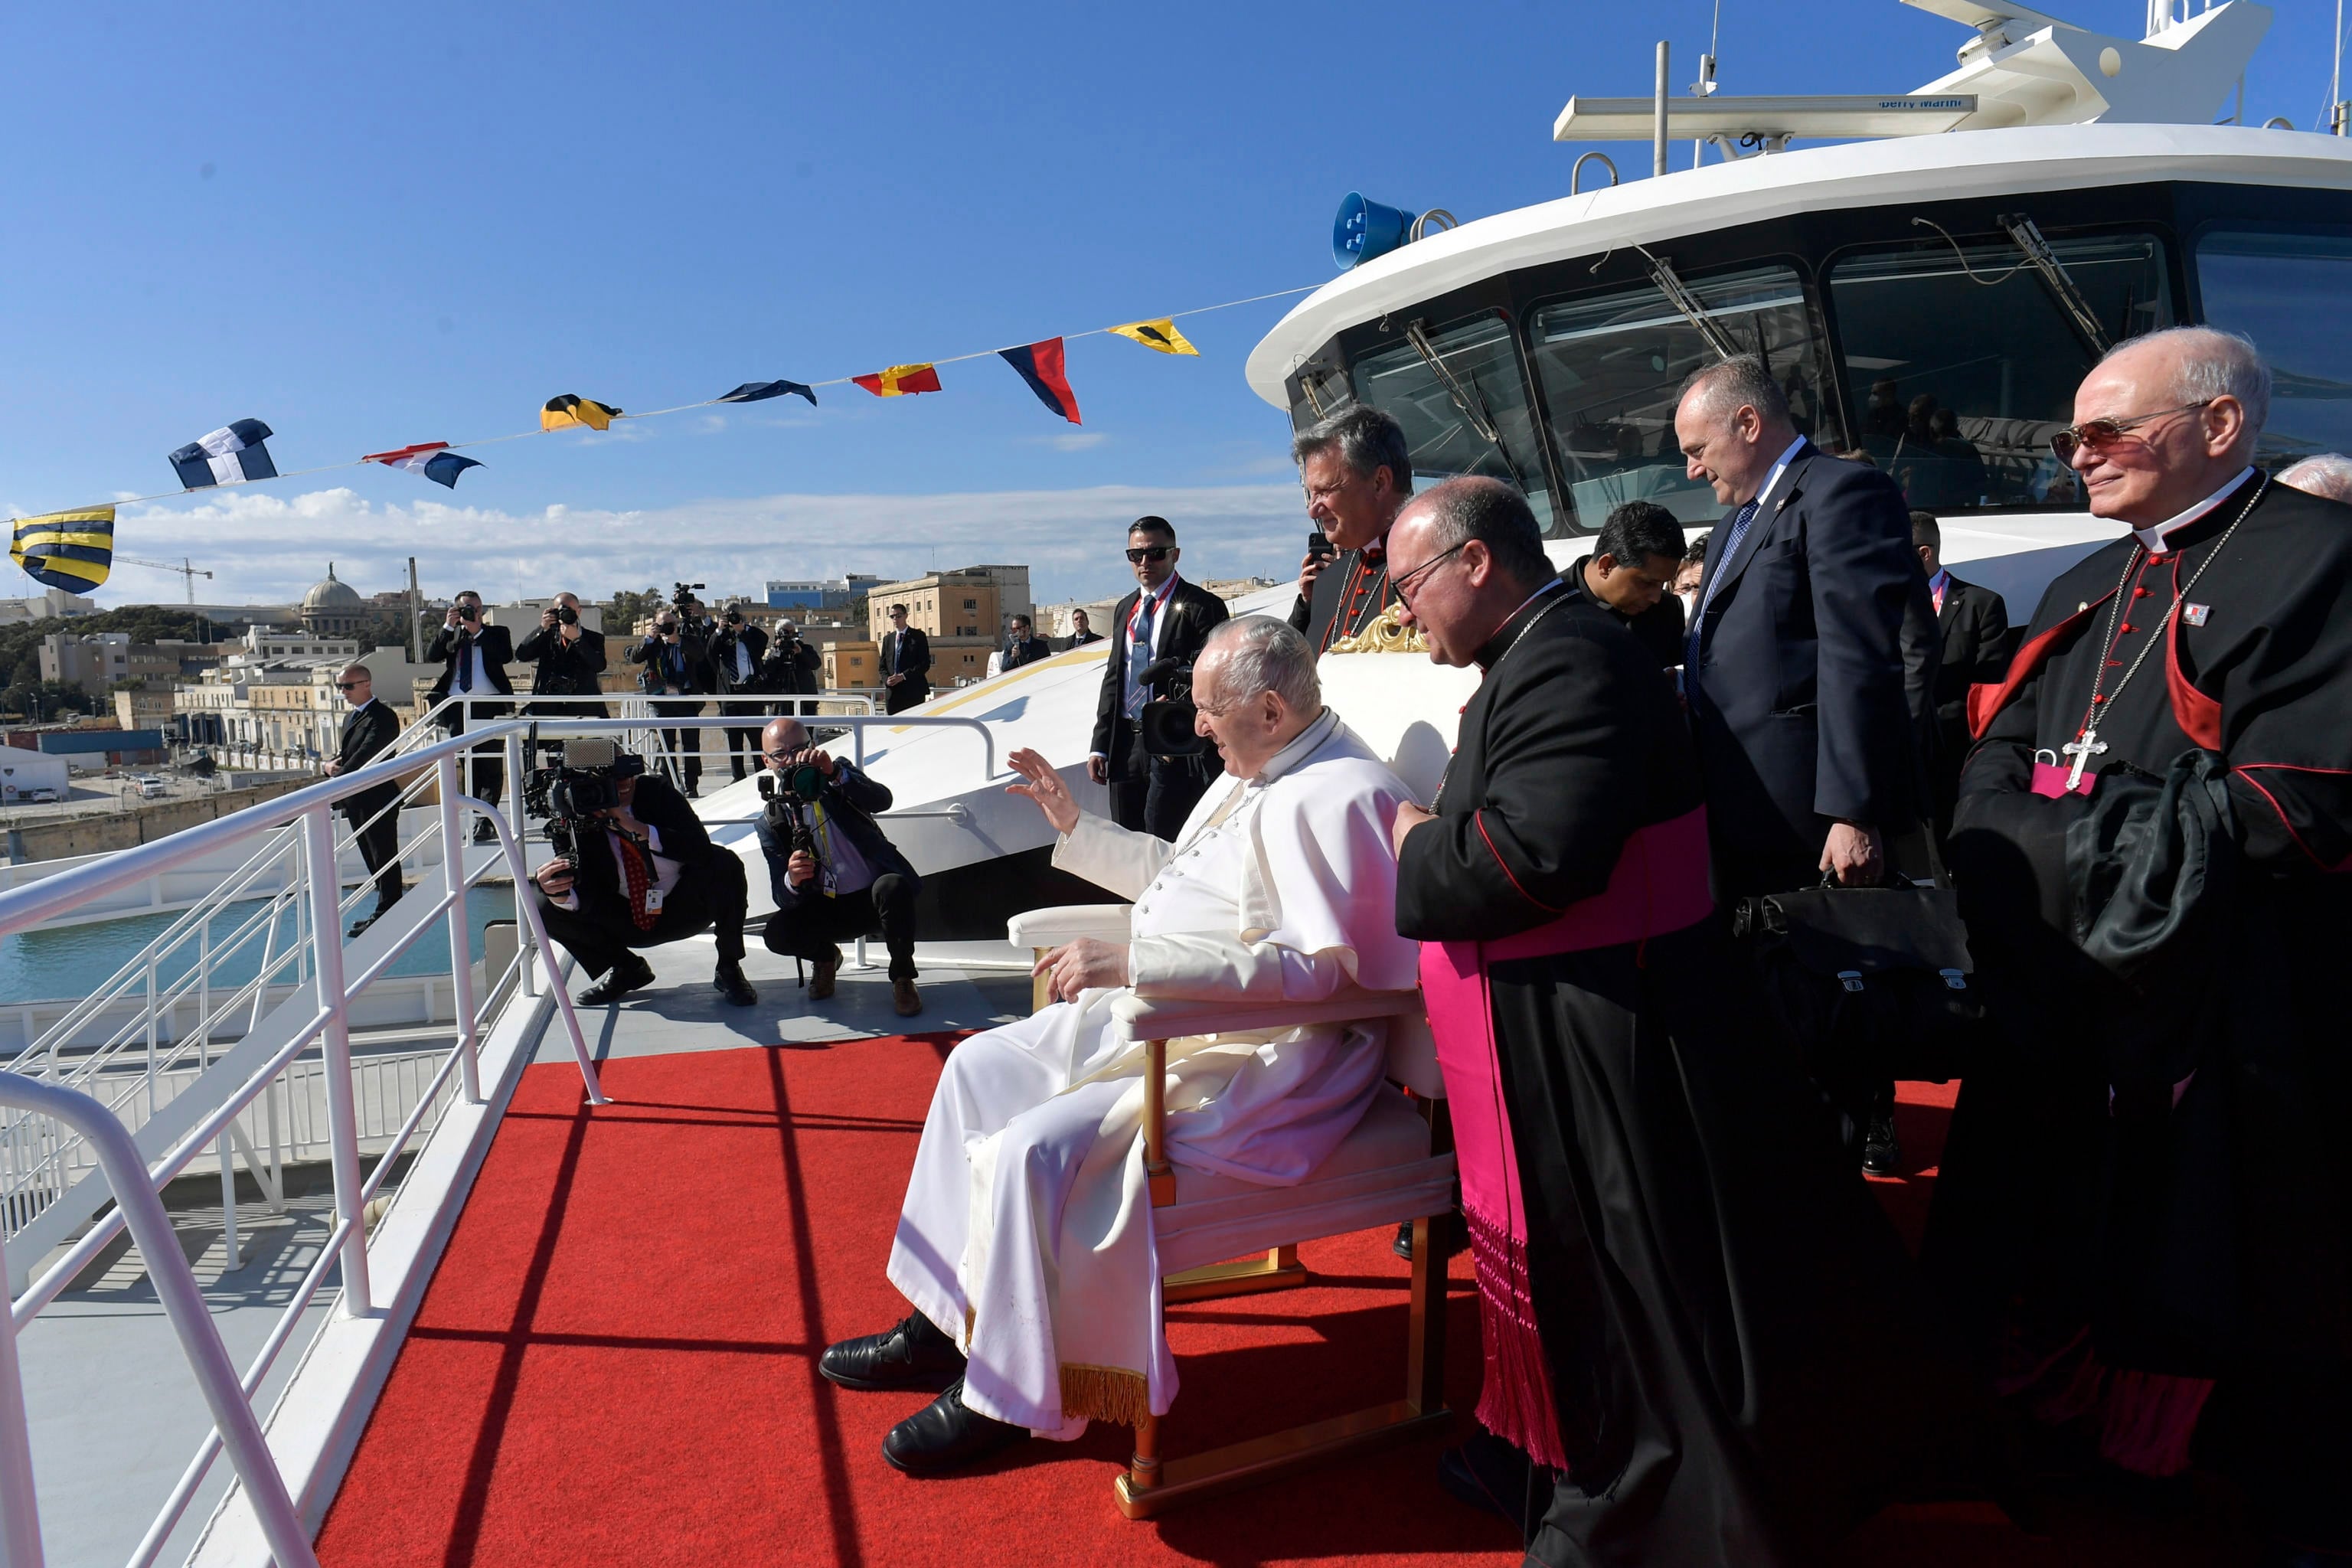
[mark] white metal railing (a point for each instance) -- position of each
(56, 1141)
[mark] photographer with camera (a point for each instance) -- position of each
(794, 669)
(675, 653)
(634, 868)
(736, 649)
(1155, 776)
(473, 657)
(834, 874)
(567, 659)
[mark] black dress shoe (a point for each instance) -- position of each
(630, 974)
(728, 982)
(947, 1435)
(1451, 1236)
(1880, 1152)
(915, 1354)
(484, 833)
(360, 925)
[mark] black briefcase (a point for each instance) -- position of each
(1868, 982)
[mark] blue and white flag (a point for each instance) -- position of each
(431, 459)
(230, 456)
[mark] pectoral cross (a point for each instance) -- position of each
(2082, 750)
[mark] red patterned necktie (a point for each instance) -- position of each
(638, 875)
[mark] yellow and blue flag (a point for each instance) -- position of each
(562, 413)
(68, 550)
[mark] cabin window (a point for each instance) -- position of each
(1448, 417)
(1958, 366)
(1611, 368)
(2282, 290)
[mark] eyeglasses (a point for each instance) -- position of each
(2101, 432)
(1399, 583)
(1149, 553)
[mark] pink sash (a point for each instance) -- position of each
(1660, 884)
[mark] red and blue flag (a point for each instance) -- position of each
(1040, 366)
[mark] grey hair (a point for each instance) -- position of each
(2328, 474)
(2213, 363)
(1474, 507)
(1263, 654)
(1741, 381)
(1366, 437)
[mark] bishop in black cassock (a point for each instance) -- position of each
(2143, 1205)
(1694, 1314)
(1358, 472)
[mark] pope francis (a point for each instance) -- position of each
(1025, 1242)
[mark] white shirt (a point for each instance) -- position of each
(666, 869)
(1157, 598)
(743, 660)
(2154, 539)
(481, 674)
(1773, 477)
(835, 853)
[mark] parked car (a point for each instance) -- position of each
(149, 786)
(40, 797)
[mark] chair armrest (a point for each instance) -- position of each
(1141, 1018)
(1068, 922)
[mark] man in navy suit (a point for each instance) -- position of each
(1794, 668)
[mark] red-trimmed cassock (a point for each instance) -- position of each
(1692, 1310)
(2143, 1204)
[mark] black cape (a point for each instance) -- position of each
(2148, 1150)
(1349, 595)
(1730, 1322)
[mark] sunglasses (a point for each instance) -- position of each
(349, 685)
(1150, 553)
(2095, 432)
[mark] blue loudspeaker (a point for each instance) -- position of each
(1365, 230)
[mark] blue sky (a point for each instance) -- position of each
(370, 228)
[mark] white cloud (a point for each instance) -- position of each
(266, 548)
(1070, 440)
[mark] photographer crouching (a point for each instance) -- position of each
(634, 868)
(834, 874)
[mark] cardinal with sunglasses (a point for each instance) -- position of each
(2144, 1200)
(1157, 633)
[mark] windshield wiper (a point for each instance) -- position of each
(1472, 405)
(2038, 254)
(1683, 299)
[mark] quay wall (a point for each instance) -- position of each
(104, 834)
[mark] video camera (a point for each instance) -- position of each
(1168, 720)
(682, 594)
(585, 782)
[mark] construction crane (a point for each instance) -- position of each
(184, 569)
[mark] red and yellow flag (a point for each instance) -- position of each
(900, 379)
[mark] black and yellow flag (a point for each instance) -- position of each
(562, 413)
(68, 550)
(1161, 334)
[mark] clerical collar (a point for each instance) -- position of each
(1513, 625)
(2155, 541)
(1302, 745)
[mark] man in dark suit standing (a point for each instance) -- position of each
(1358, 473)
(647, 874)
(1631, 565)
(677, 659)
(1972, 624)
(905, 663)
(473, 658)
(737, 647)
(1794, 668)
(1082, 631)
(369, 729)
(567, 660)
(1163, 623)
(1024, 647)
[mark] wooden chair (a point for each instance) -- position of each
(1396, 1166)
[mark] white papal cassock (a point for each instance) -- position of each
(1026, 1233)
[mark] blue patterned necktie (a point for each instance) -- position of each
(1738, 531)
(1138, 654)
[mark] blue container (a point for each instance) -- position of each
(1365, 230)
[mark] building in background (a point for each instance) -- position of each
(102, 660)
(50, 604)
(333, 608)
(963, 612)
(834, 594)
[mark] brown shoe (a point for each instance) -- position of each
(823, 969)
(906, 998)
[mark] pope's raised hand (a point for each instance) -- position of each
(1041, 783)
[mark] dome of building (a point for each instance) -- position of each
(331, 608)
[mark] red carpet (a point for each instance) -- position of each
(616, 1364)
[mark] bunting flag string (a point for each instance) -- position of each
(75, 548)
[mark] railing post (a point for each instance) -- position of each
(335, 1051)
(461, 951)
(514, 758)
(20, 1518)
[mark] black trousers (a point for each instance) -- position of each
(379, 843)
(689, 760)
(743, 743)
(1152, 795)
(710, 894)
(817, 926)
(485, 775)
(905, 695)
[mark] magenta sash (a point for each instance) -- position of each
(1660, 884)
